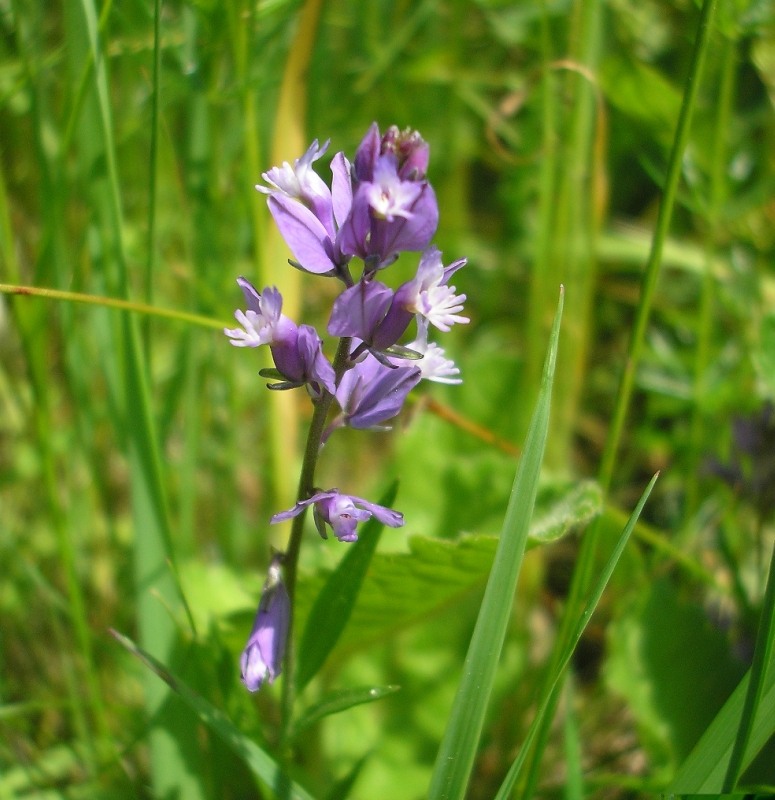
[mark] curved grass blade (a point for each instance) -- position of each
(331, 612)
(335, 702)
(549, 699)
(455, 758)
(260, 763)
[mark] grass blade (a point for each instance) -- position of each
(260, 763)
(549, 698)
(456, 755)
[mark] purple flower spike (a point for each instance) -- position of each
(263, 654)
(371, 393)
(340, 511)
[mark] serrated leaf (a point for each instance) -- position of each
(336, 702)
(576, 507)
(435, 573)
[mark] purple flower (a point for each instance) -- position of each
(393, 207)
(367, 311)
(429, 295)
(376, 208)
(301, 361)
(301, 182)
(371, 393)
(340, 511)
(262, 322)
(307, 213)
(263, 654)
(297, 350)
(434, 365)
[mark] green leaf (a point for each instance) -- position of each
(455, 758)
(334, 602)
(704, 769)
(659, 654)
(436, 573)
(563, 508)
(260, 763)
(334, 702)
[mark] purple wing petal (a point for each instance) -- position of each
(303, 233)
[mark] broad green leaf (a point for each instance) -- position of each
(703, 771)
(333, 605)
(455, 758)
(334, 702)
(643, 93)
(260, 763)
(659, 652)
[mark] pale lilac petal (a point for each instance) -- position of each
(359, 310)
(304, 234)
(341, 188)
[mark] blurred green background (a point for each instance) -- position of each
(132, 137)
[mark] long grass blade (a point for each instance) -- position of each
(456, 755)
(549, 699)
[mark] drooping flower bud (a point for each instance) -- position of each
(263, 654)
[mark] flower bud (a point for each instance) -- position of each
(263, 654)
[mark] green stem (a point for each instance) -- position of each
(664, 218)
(584, 572)
(705, 316)
(291, 560)
(111, 302)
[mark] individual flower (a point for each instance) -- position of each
(370, 393)
(366, 311)
(297, 350)
(262, 322)
(429, 294)
(394, 208)
(263, 654)
(301, 182)
(308, 213)
(434, 365)
(342, 512)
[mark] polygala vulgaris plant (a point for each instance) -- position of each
(378, 206)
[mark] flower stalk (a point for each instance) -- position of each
(378, 206)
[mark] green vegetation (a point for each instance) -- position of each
(624, 150)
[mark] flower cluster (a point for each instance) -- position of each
(377, 207)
